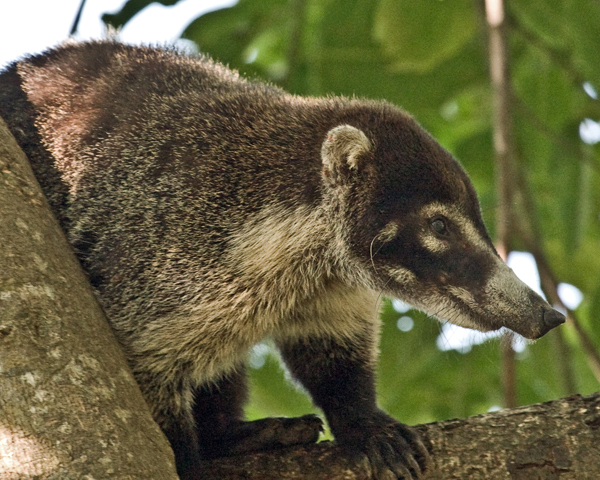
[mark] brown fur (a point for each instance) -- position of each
(211, 212)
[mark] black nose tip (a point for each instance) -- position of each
(552, 318)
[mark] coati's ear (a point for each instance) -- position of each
(342, 151)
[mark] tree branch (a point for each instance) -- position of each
(537, 441)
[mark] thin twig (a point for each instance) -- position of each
(504, 153)
(75, 25)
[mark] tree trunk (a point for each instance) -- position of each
(69, 406)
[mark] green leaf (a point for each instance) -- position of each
(129, 10)
(567, 29)
(583, 32)
(419, 35)
(253, 36)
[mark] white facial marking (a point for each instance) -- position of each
(463, 294)
(448, 304)
(501, 299)
(388, 232)
(433, 244)
(402, 275)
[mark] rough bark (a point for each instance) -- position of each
(69, 406)
(559, 439)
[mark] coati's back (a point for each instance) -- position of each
(84, 95)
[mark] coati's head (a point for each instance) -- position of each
(412, 221)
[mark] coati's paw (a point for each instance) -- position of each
(268, 434)
(394, 450)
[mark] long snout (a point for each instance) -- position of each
(518, 307)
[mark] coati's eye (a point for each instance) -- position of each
(439, 226)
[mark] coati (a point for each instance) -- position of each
(211, 212)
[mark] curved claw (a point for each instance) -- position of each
(394, 450)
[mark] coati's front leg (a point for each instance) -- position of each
(220, 429)
(340, 379)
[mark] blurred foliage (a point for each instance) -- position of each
(430, 57)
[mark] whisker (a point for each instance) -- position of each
(371, 255)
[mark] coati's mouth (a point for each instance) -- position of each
(531, 321)
(465, 312)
